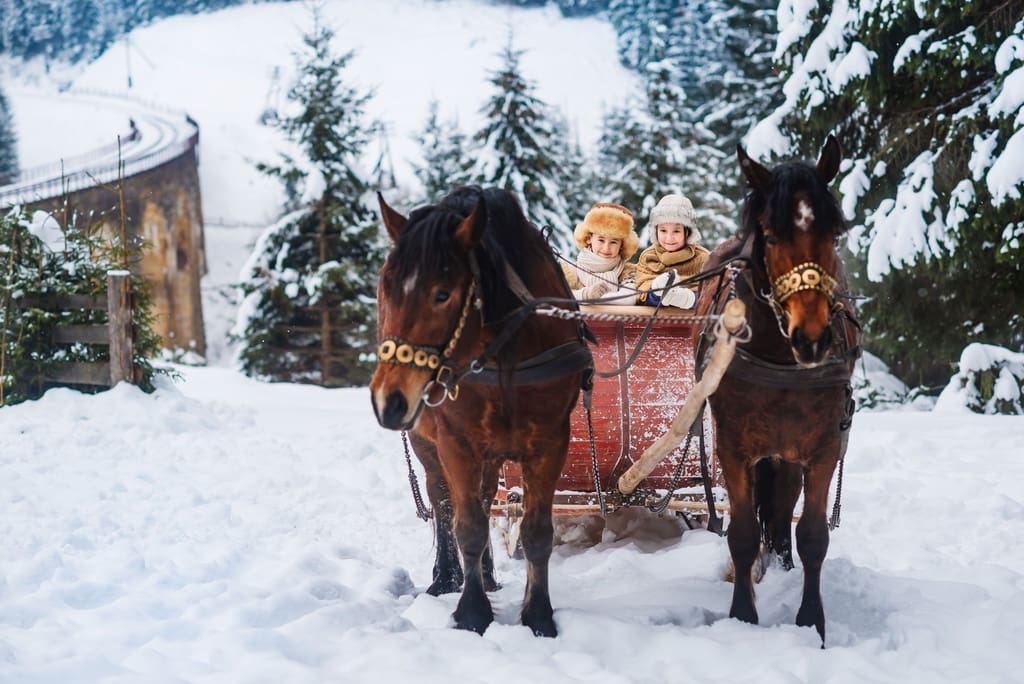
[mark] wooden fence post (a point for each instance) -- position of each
(119, 314)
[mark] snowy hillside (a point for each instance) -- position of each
(220, 67)
(224, 530)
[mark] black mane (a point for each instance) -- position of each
(425, 244)
(776, 206)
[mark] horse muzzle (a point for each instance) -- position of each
(395, 412)
(808, 351)
(397, 400)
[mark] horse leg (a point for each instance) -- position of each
(812, 543)
(464, 472)
(447, 576)
(489, 489)
(540, 475)
(777, 488)
(744, 535)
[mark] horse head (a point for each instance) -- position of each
(796, 221)
(424, 296)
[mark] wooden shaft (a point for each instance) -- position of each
(119, 314)
(721, 356)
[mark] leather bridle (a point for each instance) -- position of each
(556, 362)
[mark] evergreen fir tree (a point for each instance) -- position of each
(731, 49)
(73, 259)
(924, 108)
(82, 29)
(666, 106)
(577, 179)
(79, 23)
(632, 28)
(443, 149)
(581, 8)
(640, 151)
(8, 142)
(693, 45)
(515, 149)
(309, 314)
(623, 160)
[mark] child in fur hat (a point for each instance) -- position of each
(675, 236)
(606, 240)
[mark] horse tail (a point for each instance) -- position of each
(764, 501)
(777, 486)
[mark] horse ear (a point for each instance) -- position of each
(828, 162)
(757, 175)
(393, 221)
(471, 230)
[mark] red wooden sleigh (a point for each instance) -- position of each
(630, 411)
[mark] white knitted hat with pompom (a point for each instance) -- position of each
(675, 209)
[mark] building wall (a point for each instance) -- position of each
(163, 205)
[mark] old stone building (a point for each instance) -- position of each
(162, 205)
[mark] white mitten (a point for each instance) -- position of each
(662, 280)
(595, 290)
(679, 297)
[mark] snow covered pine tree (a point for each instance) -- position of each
(926, 100)
(309, 310)
(515, 149)
(8, 142)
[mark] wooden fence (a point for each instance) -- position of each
(116, 334)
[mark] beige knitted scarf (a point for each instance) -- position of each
(608, 268)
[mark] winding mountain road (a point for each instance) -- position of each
(74, 140)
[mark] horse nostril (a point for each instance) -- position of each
(810, 350)
(395, 408)
(798, 339)
(825, 341)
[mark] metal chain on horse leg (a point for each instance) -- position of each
(593, 455)
(844, 425)
(833, 522)
(714, 522)
(422, 512)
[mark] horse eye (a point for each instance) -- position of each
(441, 296)
(771, 239)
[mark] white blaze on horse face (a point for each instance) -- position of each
(804, 216)
(409, 286)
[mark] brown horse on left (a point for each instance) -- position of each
(476, 378)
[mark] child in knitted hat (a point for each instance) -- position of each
(606, 240)
(675, 236)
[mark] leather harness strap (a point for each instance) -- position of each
(553, 364)
(834, 372)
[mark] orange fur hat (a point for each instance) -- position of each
(610, 220)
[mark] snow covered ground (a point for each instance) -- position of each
(224, 530)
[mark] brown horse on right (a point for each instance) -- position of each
(783, 409)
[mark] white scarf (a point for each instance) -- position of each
(608, 268)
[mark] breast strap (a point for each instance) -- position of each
(553, 364)
(834, 372)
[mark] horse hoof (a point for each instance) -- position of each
(439, 587)
(541, 626)
(807, 619)
(472, 623)
(744, 614)
(474, 613)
